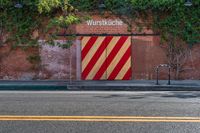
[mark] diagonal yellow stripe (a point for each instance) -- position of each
(91, 52)
(84, 42)
(96, 67)
(117, 58)
(102, 59)
(124, 69)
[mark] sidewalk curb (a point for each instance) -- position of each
(134, 88)
(32, 87)
(53, 85)
(97, 88)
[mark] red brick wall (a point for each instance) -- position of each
(14, 63)
(192, 66)
(146, 55)
(84, 28)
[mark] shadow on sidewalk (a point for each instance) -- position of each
(181, 95)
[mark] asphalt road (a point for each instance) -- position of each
(169, 105)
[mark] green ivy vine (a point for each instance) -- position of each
(20, 22)
(169, 16)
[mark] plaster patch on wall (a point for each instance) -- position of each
(56, 62)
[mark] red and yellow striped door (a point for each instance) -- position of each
(106, 58)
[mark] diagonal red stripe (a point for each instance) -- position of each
(121, 63)
(88, 46)
(127, 76)
(96, 56)
(110, 57)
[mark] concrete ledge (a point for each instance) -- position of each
(32, 87)
(134, 85)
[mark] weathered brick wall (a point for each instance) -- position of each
(55, 62)
(192, 65)
(146, 55)
(14, 64)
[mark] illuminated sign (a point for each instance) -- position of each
(105, 22)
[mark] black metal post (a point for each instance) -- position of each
(157, 75)
(105, 34)
(169, 73)
(169, 76)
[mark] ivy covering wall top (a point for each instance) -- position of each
(169, 16)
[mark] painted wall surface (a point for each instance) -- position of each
(106, 58)
(57, 63)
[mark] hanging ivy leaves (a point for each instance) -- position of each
(170, 16)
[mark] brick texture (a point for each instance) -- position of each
(14, 64)
(55, 61)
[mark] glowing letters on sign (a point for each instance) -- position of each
(104, 22)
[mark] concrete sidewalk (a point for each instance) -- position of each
(131, 85)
